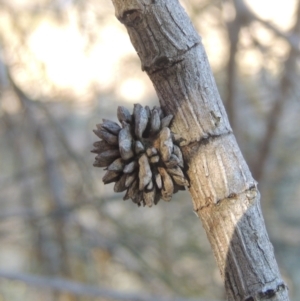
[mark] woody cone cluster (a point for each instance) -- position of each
(141, 156)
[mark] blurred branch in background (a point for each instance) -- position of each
(243, 18)
(75, 288)
(292, 38)
(61, 72)
(287, 85)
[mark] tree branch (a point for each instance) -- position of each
(225, 195)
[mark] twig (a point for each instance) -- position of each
(35, 214)
(80, 289)
(234, 29)
(244, 16)
(287, 83)
(53, 174)
(249, 16)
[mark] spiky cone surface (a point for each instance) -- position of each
(140, 155)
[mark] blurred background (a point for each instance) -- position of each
(65, 65)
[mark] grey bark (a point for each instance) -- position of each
(225, 196)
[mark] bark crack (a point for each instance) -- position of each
(250, 193)
(162, 62)
(206, 139)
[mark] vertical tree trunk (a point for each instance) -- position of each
(225, 195)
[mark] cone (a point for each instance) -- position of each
(141, 155)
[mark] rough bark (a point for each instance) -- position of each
(224, 194)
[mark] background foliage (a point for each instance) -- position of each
(65, 65)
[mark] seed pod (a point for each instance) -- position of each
(125, 143)
(151, 151)
(117, 165)
(178, 139)
(149, 197)
(120, 184)
(124, 115)
(150, 185)
(130, 167)
(101, 146)
(130, 178)
(138, 198)
(140, 156)
(140, 119)
(174, 161)
(165, 122)
(139, 147)
(166, 144)
(155, 122)
(106, 158)
(157, 197)
(178, 176)
(99, 163)
(168, 187)
(148, 111)
(111, 126)
(177, 188)
(160, 112)
(166, 195)
(154, 159)
(178, 154)
(175, 171)
(181, 181)
(158, 180)
(145, 173)
(126, 196)
(132, 190)
(110, 176)
(108, 137)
